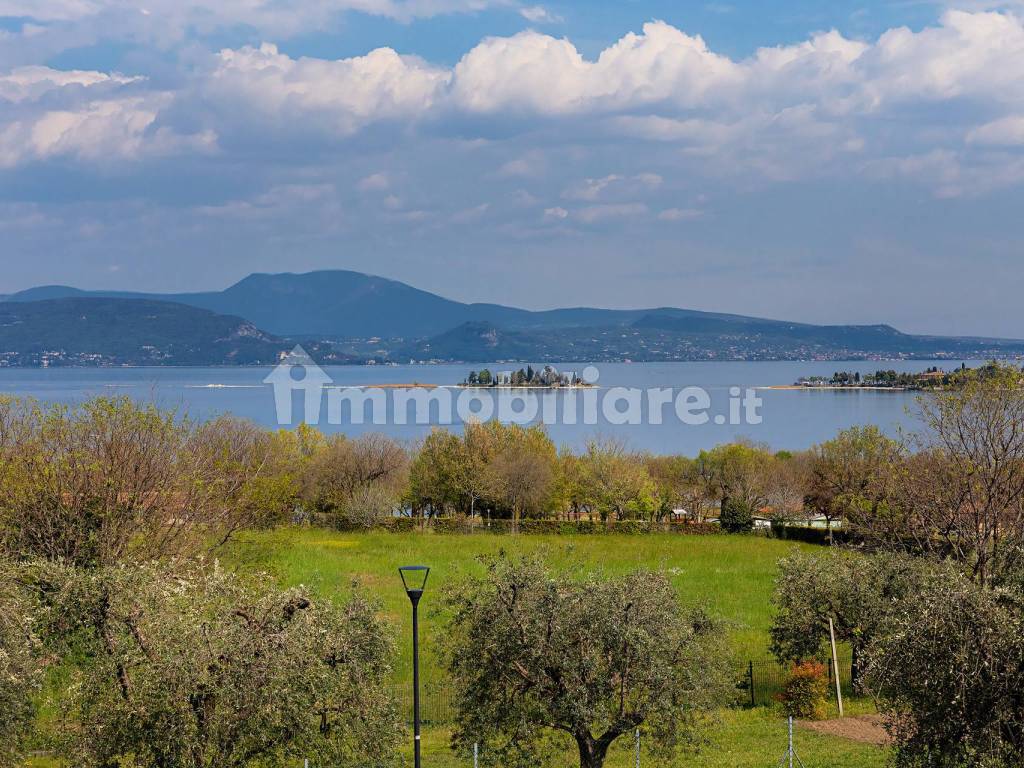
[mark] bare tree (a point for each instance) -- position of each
(111, 480)
(962, 494)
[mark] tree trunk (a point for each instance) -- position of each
(592, 751)
(854, 666)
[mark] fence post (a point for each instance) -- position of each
(637, 748)
(476, 755)
(750, 674)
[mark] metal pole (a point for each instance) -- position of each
(790, 741)
(637, 748)
(835, 665)
(416, 678)
(476, 755)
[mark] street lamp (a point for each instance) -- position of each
(414, 579)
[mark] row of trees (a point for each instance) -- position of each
(951, 485)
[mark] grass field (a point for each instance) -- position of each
(731, 575)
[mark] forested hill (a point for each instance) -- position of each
(96, 331)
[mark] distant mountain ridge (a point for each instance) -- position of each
(350, 316)
(342, 303)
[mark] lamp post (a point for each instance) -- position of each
(414, 579)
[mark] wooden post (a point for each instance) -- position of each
(835, 665)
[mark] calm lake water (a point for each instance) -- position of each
(790, 419)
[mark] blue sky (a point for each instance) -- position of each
(840, 162)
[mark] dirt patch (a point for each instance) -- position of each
(868, 729)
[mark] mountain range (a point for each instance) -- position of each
(352, 317)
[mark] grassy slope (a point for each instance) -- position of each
(732, 575)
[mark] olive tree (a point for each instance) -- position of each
(20, 667)
(189, 666)
(855, 591)
(534, 655)
(949, 671)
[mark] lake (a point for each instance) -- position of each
(789, 419)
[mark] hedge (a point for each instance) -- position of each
(465, 525)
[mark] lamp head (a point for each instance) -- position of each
(414, 579)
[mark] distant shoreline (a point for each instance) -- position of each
(794, 387)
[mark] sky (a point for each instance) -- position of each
(842, 162)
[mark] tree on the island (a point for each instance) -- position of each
(485, 378)
(192, 666)
(472, 378)
(540, 661)
(529, 374)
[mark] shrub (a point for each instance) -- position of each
(805, 691)
(736, 516)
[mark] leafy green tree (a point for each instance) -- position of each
(961, 495)
(436, 472)
(672, 478)
(616, 484)
(193, 667)
(358, 480)
(736, 471)
(534, 655)
(521, 471)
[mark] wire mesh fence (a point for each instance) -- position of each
(764, 680)
(437, 705)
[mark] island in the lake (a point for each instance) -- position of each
(544, 378)
(930, 379)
